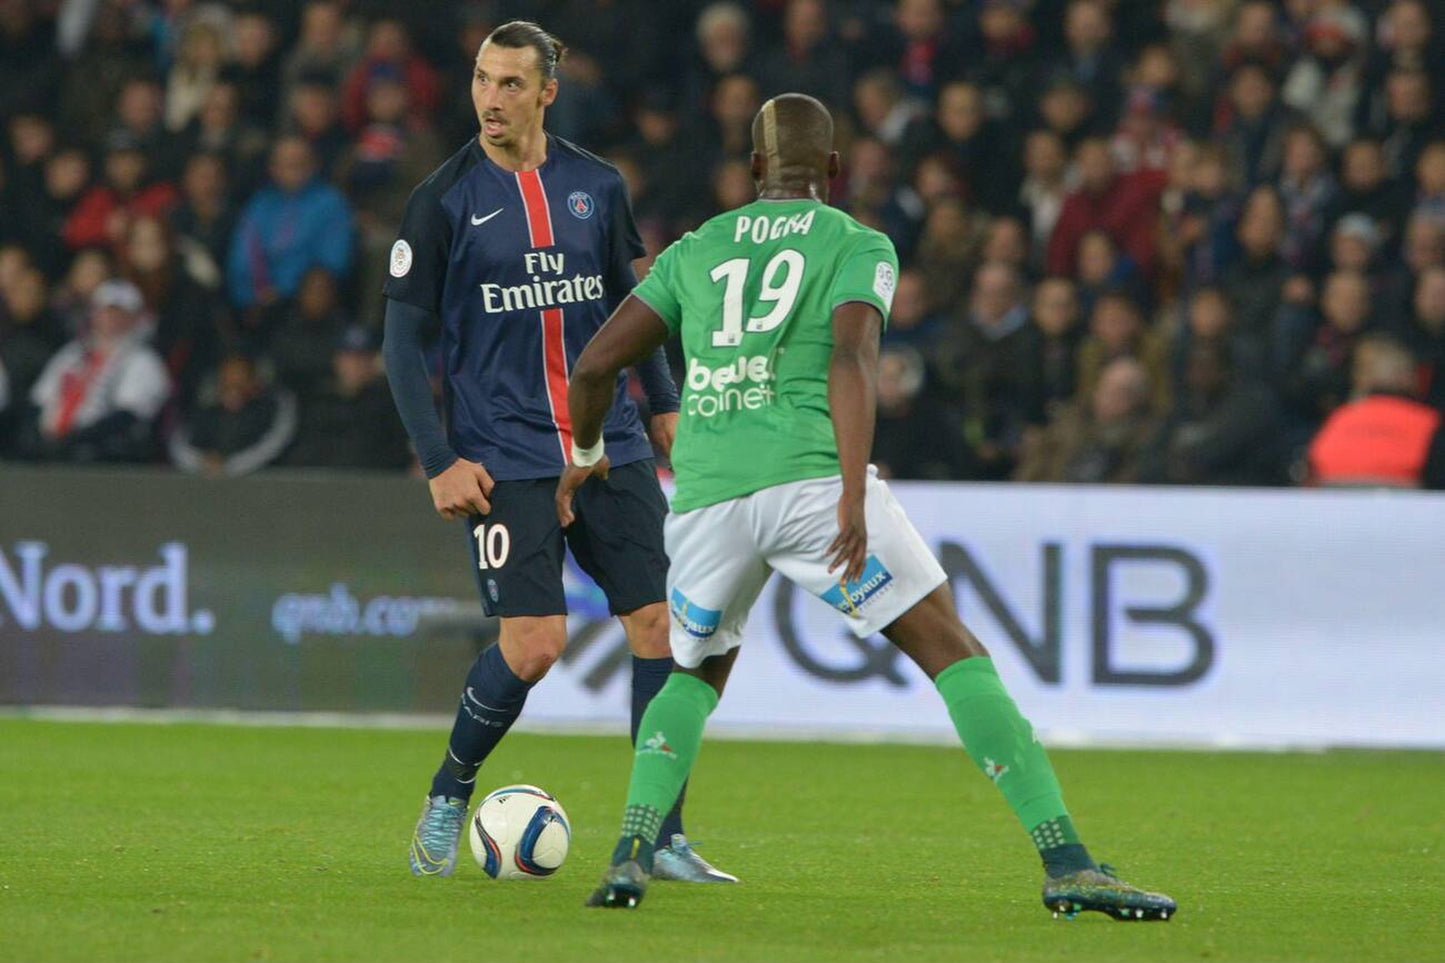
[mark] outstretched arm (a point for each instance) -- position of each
(852, 402)
(632, 333)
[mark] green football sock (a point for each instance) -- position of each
(668, 739)
(1001, 743)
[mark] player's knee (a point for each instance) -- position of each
(647, 630)
(531, 653)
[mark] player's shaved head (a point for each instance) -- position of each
(793, 145)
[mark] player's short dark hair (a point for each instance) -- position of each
(517, 34)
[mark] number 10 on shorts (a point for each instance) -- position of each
(494, 543)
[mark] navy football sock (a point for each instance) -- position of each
(491, 701)
(648, 678)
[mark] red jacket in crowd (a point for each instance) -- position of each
(1127, 210)
(89, 224)
(1379, 440)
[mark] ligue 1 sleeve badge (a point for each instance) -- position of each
(581, 205)
(400, 259)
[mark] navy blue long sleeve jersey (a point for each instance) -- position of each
(522, 268)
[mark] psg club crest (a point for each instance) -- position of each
(581, 205)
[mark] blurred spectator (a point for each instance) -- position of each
(1124, 206)
(245, 428)
(1067, 109)
(1326, 83)
(913, 436)
(1354, 245)
(1422, 330)
(1200, 211)
(219, 129)
(205, 217)
(1117, 330)
(806, 61)
(41, 211)
(1091, 58)
(948, 249)
(29, 67)
(1005, 66)
(255, 66)
(104, 213)
(306, 340)
(324, 50)
(1256, 281)
(1306, 188)
(1255, 124)
(913, 319)
(71, 298)
(104, 46)
(1210, 317)
(1430, 181)
(979, 150)
(984, 362)
(1411, 121)
(883, 109)
(1407, 40)
(197, 69)
(1256, 37)
(1366, 189)
(1046, 184)
(873, 194)
(724, 45)
(140, 120)
(389, 50)
(1101, 441)
(353, 423)
(395, 151)
(1055, 317)
(728, 126)
(922, 49)
(98, 397)
(1318, 379)
(29, 335)
(1384, 437)
(1103, 268)
(312, 112)
(297, 223)
(188, 321)
(1224, 430)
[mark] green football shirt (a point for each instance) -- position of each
(752, 293)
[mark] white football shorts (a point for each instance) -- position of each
(721, 556)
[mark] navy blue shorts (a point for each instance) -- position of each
(518, 549)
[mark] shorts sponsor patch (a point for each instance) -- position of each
(852, 598)
(400, 259)
(696, 621)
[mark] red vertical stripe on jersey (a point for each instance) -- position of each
(554, 349)
(554, 343)
(534, 199)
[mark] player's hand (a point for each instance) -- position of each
(571, 480)
(462, 490)
(849, 551)
(662, 429)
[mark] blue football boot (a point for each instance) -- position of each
(679, 861)
(434, 842)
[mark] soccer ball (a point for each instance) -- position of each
(519, 832)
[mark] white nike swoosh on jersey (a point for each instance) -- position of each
(482, 220)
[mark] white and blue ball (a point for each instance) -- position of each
(519, 832)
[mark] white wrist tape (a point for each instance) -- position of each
(587, 457)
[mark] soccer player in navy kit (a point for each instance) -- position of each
(522, 245)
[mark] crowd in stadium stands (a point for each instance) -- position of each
(1178, 241)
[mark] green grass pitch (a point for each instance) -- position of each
(197, 843)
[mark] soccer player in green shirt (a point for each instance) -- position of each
(780, 305)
